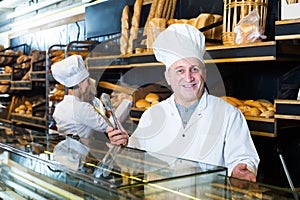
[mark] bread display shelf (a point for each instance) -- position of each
(29, 120)
(136, 113)
(287, 29)
(262, 126)
(259, 51)
(38, 75)
(117, 61)
(21, 85)
(114, 87)
(287, 109)
(5, 77)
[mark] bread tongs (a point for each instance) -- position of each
(104, 167)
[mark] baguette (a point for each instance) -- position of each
(150, 15)
(137, 9)
(229, 101)
(124, 31)
(165, 9)
(159, 10)
(267, 114)
(169, 10)
(235, 100)
(252, 103)
(173, 9)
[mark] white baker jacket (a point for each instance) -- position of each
(217, 133)
(73, 116)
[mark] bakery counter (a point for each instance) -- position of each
(39, 166)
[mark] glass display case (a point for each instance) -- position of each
(38, 166)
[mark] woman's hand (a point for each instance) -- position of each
(118, 137)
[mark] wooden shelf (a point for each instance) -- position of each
(287, 29)
(21, 85)
(259, 51)
(28, 120)
(287, 109)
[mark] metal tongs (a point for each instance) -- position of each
(104, 167)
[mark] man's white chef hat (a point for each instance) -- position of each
(70, 71)
(179, 41)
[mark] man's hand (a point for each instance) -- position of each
(118, 137)
(240, 171)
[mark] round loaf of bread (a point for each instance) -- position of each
(152, 97)
(142, 103)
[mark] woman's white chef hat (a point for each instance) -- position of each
(179, 41)
(70, 71)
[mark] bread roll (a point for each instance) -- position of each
(151, 97)
(142, 103)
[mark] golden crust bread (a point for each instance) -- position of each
(151, 97)
(244, 108)
(268, 114)
(235, 100)
(252, 103)
(255, 112)
(229, 101)
(142, 103)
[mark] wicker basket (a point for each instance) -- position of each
(235, 10)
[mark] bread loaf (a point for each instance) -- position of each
(159, 10)
(165, 9)
(142, 103)
(216, 33)
(125, 30)
(174, 3)
(150, 15)
(169, 10)
(156, 25)
(137, 9)
(152, 97)
(252, 103)
(203, 20)
(267, 114)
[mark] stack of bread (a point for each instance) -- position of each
(56, 56)
(164, 9)
(149, 100)
(161, 15)
(24, 108)
(58, 93)
(203, 20)
(254, 108)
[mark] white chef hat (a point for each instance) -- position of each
(179, 41)
(70, 71)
